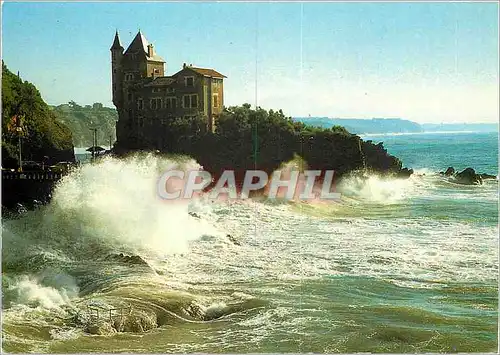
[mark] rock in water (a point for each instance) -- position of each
(487, 176)
(132, 260)
(100, 328)
(450, 171)
(405, 173)
(468, 177)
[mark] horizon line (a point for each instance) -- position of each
(328, 117)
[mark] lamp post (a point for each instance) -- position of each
(19, 130)
(94, 142)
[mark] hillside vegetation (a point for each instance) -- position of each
(24, 113)
(81, 119)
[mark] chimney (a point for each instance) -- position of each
(184, 66)
(150, 50)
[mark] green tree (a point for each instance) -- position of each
(43, 134)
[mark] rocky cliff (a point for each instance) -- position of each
(80, 120)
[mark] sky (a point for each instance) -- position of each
(427, 62)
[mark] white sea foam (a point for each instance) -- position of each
(111, 206)
(374, 232)
(375, 188)
(27, 290)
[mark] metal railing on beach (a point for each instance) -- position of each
(95, 312)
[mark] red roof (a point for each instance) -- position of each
(207, 72)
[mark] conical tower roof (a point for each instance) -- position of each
(116, 43)
(138, 43)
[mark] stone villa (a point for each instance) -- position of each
(146, 99)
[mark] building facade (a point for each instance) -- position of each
(146, 99)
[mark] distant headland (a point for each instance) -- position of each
(395, 125)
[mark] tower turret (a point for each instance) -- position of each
(116, 71)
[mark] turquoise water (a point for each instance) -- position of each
(437, 151)
(396, 266)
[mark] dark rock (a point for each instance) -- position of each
(404, 173)
(468, 177)
(100, 328)
(450, 171)
(139, 322)
(488, 176)
(132, 260)
(375, 159)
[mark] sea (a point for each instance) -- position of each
(395, 266)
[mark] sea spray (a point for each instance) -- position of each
(110, 206)
(28, 290)
(67, 256)
(97, 210)
(375, 188)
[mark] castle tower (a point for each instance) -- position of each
(141, 60)
(116, 70)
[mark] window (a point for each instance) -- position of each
(170, 90)
(140, 104)
(156, 103)
(217, 82)
(141, 121)
(130, 97)
(190, 101)
(114, 71)
(216, 100)
(156, 71)
(129, 77)
(156, 89)
(189, 80)
(170, 103)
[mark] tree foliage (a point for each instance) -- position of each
(247, 138)
(81, 119)
(43, 134)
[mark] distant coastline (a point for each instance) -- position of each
(390, 134)
(395, 126)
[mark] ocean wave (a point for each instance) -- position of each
(104, 208)
(106, 242)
